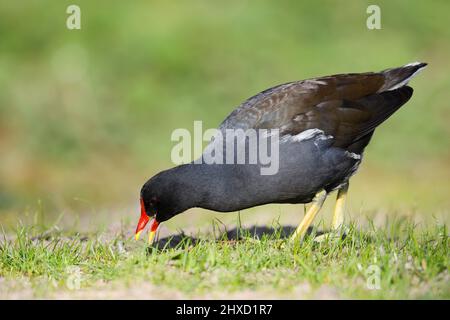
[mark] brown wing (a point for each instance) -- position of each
(347, 106)
(349, 120)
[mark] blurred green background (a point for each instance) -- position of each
(86, 115)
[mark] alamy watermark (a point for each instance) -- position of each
(373, 276)
(74, 277)
(228, 146)
(73, 21)
(374, 20)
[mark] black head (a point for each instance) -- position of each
(158, 201)
(166, 195)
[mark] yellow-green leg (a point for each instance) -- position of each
(339, 208)
(317, 203)
(338, 215)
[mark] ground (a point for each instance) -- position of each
(398, 261)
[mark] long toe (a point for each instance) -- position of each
(334, 235)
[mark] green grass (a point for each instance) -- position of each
(413, 263)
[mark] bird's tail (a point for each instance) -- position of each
(399, 77)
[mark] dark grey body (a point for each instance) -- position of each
(342, 111)
(305, 168)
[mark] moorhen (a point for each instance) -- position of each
(324, 124)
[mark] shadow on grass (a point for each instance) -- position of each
(234, 235)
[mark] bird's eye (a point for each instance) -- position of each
(153, 202)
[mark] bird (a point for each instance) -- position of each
(324, 125)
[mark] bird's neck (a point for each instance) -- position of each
(202, 185)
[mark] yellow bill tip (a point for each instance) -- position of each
(151, 236)
(137, 235)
